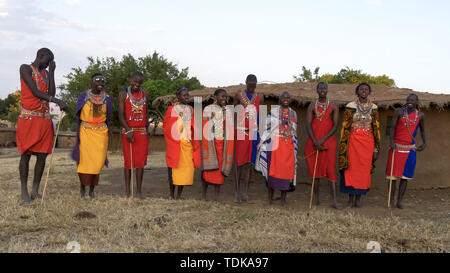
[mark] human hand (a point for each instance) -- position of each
(52, 66)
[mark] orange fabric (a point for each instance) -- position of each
(282, 162)
(326, 163)
(216, 177)
(172, 137)
(35, 134)
(360, 154)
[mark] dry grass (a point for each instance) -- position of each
(161, 225)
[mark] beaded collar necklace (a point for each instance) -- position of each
(324, 106)
(409, 122)
(364, 108)
(285, 121)
(96, 99)
(36, 75)
(244, 99)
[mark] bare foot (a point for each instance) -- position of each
(36, 196)
(26, 198)
(237, 198)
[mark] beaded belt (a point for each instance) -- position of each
(135, 129)
(93, 126)
(366, 128)
(28, 114)
(404, 148)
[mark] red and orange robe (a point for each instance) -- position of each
(136, 118)
(247, 134)
(277, 151)
(217, 144)
(34, 125)
(405, 154)
(183, 147)
(322, 123)
(360, 137)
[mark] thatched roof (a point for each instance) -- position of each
(303, 93)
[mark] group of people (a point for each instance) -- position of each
(225, 143)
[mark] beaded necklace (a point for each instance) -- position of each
(183, 111)
(44, 80)
(96, 99)
(218, 120)
(36, 74)
(364, 110)
(137, 105)
(408, 122)
(323, 106)
(285, 119)
(246, 102)
(97, 102)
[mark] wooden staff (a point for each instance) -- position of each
(314, 179)
(51, 157)
(390, 178)
(131, 177)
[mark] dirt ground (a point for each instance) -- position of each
(422, 206)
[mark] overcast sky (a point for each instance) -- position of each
(223, 41)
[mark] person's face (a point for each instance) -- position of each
(411, 102)
(251, 86)
(136, 83)
(322, 91)
(363, 92)
(183, 97)
(285, 100)
(44, 60)
(98, 83)
(221, 99)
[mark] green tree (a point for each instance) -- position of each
(162, 77)
(4, 106)
(345, 75)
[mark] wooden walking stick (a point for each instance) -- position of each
(314, 179)
(51, 157)
(390, 178)
(131, 177)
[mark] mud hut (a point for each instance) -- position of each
(433, 168)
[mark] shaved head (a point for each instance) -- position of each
(45, 51)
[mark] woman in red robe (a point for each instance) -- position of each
(217, 143)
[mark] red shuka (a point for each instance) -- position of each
(34, 133)
(326, 162)
(140, 144)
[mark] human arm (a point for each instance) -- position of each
(422, 132)
(122, 120)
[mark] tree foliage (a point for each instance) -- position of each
(161, 77)
(10, 107)
(345, 75)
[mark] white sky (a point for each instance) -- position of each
(223, 41)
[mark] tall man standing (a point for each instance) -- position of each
(321, 124)
(247, 103)
(34, 126)
(405, 125)
(134, 121)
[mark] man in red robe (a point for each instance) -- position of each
(321, 124)
(34, 126)
(247, 104)
(134, 121)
